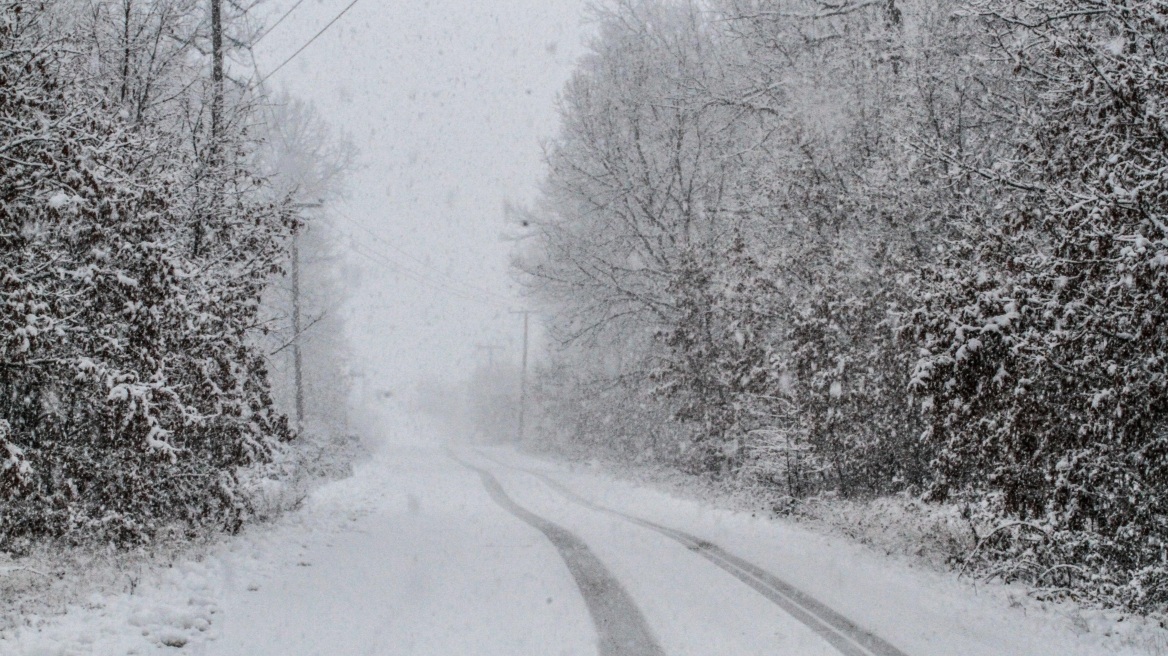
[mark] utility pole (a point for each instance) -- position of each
(297, 328)
(490, 349)
(214, 148)
(297, 362)
(523, 376)
(216, 77)
(128, 9)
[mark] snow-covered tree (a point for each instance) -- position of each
(305, 160)
(1044, 329)
(131, 267)
(875, 247)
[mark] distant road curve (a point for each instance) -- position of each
(843, 634)
(620, 625)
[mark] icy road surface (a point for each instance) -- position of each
(443, 550)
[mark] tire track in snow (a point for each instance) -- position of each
(843, 634)
(621, 628)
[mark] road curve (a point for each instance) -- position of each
(620, 626)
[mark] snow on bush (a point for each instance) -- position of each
(131, 266)
(877, 248)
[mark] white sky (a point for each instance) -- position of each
(447, 101)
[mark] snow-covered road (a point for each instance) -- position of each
(430, 565)
(839, 631)
(486, 551)
(440, 550)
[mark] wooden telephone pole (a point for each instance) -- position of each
(490, 349)
(214, 151)
(297, 321)
(216, 77)
(523, 376)
(297, 362)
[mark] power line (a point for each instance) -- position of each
(251, 49)
(442, 276)
(397, 268)
(436, 280)
(308, 43)
(463, 290)
(276, 24)
(446, 278)
(394, 267)
(424, 265)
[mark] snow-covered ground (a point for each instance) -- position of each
(917, 610)
(412, 556)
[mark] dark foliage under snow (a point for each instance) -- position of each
(134, 246)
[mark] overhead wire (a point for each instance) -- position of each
(307, 43)
(397, 268)
(434, 271)
(444, 282)
(276, 24)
